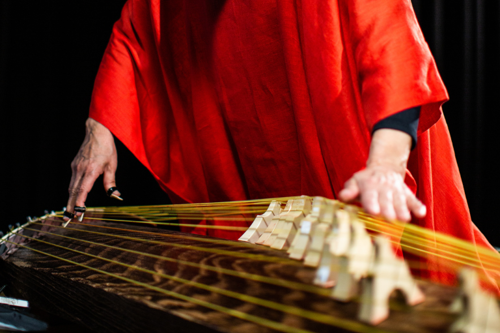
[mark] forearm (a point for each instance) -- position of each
(95, 129)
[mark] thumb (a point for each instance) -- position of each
(350, 191)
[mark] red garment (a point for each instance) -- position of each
(244, 99)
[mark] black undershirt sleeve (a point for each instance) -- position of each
(405, 121)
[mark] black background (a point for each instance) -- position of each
(50, 52)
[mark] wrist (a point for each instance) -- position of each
(95, 128)
(390, 149)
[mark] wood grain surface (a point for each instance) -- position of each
(105, 303)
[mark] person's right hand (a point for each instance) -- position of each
(96, 156)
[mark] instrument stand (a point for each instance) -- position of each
(356, 264)
(301, 242)
(335, 246)
(264, 238)
(388, 273)
(287, 229)
(479, 311)
(15, 317)
(261, 222)
(318, 236)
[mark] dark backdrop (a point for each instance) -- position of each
(50, 52)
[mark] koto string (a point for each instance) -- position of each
(439, 238)
(282, 283)
(413, 244)
(237, 207)
(216, 251)
(238, 314)
(413, 249)
(261, 257)
(463, 247)
(230, 206)
(217, 227)
(259, 278)
(287, 284)
(254, 277)
(202, 239)
(310, 315)
(408, 242)
(406, 237)
(453, 260)
(431, 250)
(413, 239)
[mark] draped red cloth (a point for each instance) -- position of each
(244, 99)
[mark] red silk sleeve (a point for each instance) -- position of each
(396, 70)
(115, 95)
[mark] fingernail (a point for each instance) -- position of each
(116, 197)
(422, 210)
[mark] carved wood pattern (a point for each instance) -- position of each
(108, 304)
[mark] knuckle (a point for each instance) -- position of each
(73, 192)
(385, 205)
(349, 183)
(75, 168)
(400, 200)
(384, 192)
(110, 168)
(401, 208)
(388, 209)
(80, 167)
(89, 172)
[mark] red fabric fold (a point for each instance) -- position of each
(234, 100)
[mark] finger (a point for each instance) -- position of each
(73, 194)
(85, 187)
(416, 206)
(350, 191)
(401, 207)
(386, 201)
(369, 200)
(75, 175)
(109, 181)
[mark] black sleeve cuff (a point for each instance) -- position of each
(404, 121)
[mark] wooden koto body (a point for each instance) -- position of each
(139, 278)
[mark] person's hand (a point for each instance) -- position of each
(382, 191)
(96, 156)
(380, 186)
